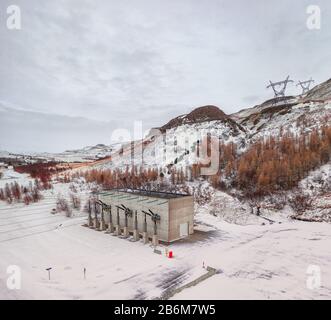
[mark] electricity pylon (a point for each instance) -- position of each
(279, 92)
(305, 85)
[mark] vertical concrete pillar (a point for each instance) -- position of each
(102, 220)
(117, 227)
(135, 221)
(95, 223)
(90, 221)
(117, 230)
(126, 232)
(136, 235)
(110, 227)
(102, 226)
(110, 224)
(145, 238)
(155, 240)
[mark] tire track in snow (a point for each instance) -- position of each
(25, 208)
(34, 226)
(40, 232)
(20, 216)
(23, 221)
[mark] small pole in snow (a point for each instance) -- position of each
(84, 273)
(203, 264)
(49, 273)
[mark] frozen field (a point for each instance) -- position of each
(254, 261)
(10, 176)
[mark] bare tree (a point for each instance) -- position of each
(63, 206)
(301, 202)
(75, 201)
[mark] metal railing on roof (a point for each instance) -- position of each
(142, 192)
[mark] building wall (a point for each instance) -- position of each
(173, 212)
(139, 203)
(180, 211)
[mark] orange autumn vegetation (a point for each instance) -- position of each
(275, 163)
(267, 166)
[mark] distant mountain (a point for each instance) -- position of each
(86, 154)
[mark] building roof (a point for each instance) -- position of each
(148, 193)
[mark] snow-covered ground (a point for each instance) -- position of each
(266, 262)
(255, 260)
(34, 239)
(9, 176)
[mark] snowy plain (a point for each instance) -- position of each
(256, 260)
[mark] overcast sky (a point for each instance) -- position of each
(113, 62)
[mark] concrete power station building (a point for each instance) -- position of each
(144, 214)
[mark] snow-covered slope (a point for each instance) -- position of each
(86, 154)
(179, 138)
(287, 113)
(9, 176)
(175, 143)
(320, 92)
(242, 114)
(299, 117)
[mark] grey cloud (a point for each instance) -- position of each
(26, 131)
(150, 60)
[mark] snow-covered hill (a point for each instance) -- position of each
(86, 154)
(320, 92)
(298, 117)
(294, 114)
(176, 144)
(242, 114)
(179, 136)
